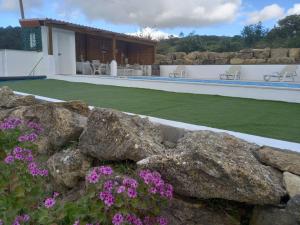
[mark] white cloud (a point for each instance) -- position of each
(151, 33)
(13, 5)
(159, 13)
(269, 12)
(294, 10)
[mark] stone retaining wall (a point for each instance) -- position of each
(245, 56)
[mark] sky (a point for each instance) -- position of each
(159, 18)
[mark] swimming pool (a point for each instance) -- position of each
(226, 82)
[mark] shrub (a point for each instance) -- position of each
(109, 198)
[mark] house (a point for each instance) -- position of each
(62, 44)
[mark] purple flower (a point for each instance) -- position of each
(93, 177)
(162, 221)
(131, 192)
(35, 126)
(105, 170)
(26, 218)
(1, 222)
(121, 189)
(77, 222)
(118, 219)
(9, 159)
(10, 123)
(49, 203)
(55, 194)
(108, 185)
(107, 198)
(130, 183)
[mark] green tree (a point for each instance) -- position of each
(10, 38)
(252, 34)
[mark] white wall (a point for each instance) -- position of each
(248, 72)
(21, 63)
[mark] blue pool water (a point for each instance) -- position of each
(226, 82)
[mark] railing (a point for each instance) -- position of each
(32, 72)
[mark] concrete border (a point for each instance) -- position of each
(261, 141)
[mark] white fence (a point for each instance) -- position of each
(22, 63)
(248, 72)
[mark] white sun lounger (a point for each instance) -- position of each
(233, 73)
(179, 72)
(288, 73)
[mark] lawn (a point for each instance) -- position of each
(265, 118)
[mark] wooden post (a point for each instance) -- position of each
(154, 54)
(114, 46)
(22, 9)
(50, 41)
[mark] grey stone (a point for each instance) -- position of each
(181, 212)
(279, 52)
(281, 60)
(291, 183)
(272, 216)
(68, 166)
(216, 165)
(237, 61)
(61, 125)
(294, 53)
(283, 160)
(115, 136)
(9, 100)
(293, 207)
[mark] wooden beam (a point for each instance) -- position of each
(22, 9)
(154, 54)
(50, 41)
(114, 45)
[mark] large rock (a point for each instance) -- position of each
(272, 216)
(244, 54)
(292, 184)
(283, 160)
(181, 212)
(115, 136)
(255, 61)
(68, 166)
(9, 100)
(216, 165)
(237, 61)
(262, 53)
(61, 125)
(294, 53)
(279, 52)
(160, 58)
(293, 207)
(281, 60)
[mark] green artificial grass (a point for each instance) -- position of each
(265, 118)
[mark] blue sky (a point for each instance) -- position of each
(169, 16)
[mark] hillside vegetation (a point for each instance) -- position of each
(286, 34)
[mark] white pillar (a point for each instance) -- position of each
(114, 68)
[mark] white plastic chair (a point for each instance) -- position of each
(96, 67)
(233, 73)
(179, 72)
(288, 72)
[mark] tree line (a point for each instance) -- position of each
(286, 34)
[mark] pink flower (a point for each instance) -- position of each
(55, 194)
(162, 221)
(118, 219)
(9, 159)
(108, 186)
(77, 222)
(107, 198)
(49, 202)
(132, 193)
(93, 177)
(105, 170)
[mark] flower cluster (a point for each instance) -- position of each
(156, 184)
(25, 156)
(20, 219)
(10, 124)
(96, 173)
(119, 219)
(32, 137)
(50, 202)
